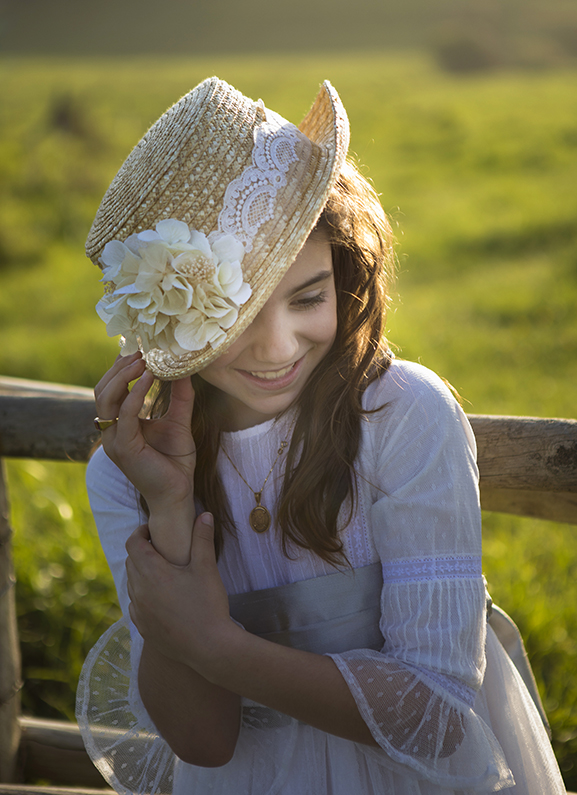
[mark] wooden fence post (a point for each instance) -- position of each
(10, 670)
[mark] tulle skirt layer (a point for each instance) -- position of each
(276, 755)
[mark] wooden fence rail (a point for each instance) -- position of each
(528, 466)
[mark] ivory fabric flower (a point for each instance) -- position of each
(172, 288)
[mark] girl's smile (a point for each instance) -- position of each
(265, 370)
(274, 379)
(274, 374)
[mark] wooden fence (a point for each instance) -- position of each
(528, 466)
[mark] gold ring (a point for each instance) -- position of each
(102, 425)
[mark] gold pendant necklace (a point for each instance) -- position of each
(259, 518)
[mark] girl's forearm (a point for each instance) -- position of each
(197, 718)
(306, 686)
(184, 612)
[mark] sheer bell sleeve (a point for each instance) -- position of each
(119, 735)
(417, 694)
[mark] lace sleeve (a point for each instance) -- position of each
(417, 694)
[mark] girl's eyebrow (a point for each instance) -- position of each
(321, 276)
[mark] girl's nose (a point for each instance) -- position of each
(274, 339)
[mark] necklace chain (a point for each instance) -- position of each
(259, 517)
(257, 494)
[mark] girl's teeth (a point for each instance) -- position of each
(272, 375)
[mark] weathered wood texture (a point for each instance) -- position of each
(528, 465)
(41, 420)
(526, 452)
(53, 750)
(9, 649)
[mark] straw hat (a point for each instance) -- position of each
(246, 184)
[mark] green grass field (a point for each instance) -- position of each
(478, 174)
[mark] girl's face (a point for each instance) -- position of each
(266, 369)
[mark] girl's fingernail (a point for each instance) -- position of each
(207, 519)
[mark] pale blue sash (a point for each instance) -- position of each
(341, 611)
(329, 614)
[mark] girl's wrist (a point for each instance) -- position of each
(171, 515)
(171, 508)
(171, 533)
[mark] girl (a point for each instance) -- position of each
(294, 526)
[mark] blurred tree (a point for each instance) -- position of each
(464, 53)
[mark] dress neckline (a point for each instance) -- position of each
(257, 430)
(247, 433)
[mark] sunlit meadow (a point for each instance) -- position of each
(478, 174)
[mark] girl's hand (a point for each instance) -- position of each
(182, 611)
(158, 456)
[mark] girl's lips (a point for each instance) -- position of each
(273, 384)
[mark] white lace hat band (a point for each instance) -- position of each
(231, 170)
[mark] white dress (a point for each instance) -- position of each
(441, 698)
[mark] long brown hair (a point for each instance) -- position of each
(319, 474)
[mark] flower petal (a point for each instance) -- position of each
(119, 324)
(128, 289)
(243, 294)
(177, 295)
(227, 248)
(198, 331)
(229, 278)
(114, 254)
(173, 231)
(134, 243)
(148, 235)
(129, 344)
(174, 288)
(191, 336)
(102, 309)
(139, 300)
(200, 242)
(229, 319)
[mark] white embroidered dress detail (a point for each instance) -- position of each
(432, 568)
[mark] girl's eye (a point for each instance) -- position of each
(310, 301)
